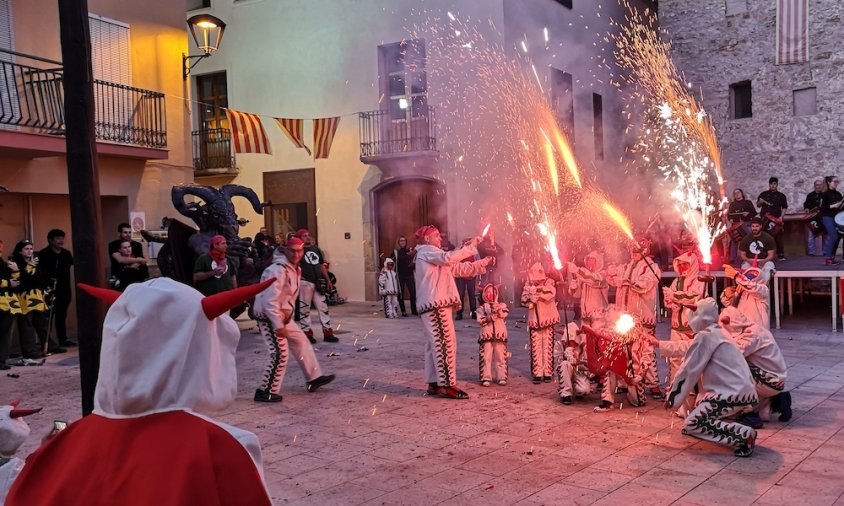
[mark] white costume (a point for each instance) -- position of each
(637, 283)
(274, 310)
(436, 297)
(754, 297)
(760, 349)
(388, 288)
(539, 296)
(591, 283)
(686, 289)
(715, 368)
(492, 341)
(168, 354)
(570, 364)
(13, 432)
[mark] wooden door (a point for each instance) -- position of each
(404, 206)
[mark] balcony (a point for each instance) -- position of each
(384, 137)
(32, 112)
(212, 152)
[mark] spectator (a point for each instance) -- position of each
(125, 232)
(814, 227)
(128, 273)
(830, 206)
(9, 276)
(488, 248)
(57, 262)
(211, 272)
(315, 284)
(739, 213)
(405, 267)
(33, 319)
(757, 247)
(772, 205)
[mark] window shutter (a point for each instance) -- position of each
(110, 56)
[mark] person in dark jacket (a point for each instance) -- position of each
(405, 267)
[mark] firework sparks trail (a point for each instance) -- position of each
(519, 128)
(679, 130)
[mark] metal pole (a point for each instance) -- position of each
(83, 187)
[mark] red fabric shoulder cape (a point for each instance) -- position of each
(172, 458)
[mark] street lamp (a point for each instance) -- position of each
(207, 30)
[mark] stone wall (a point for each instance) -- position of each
(715, 50)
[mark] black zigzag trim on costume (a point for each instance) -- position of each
(442, 348)
(766, 378)
(439, 304)
(482, 358)
(278, 355)
(708, 420)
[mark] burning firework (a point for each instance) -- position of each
(689, 158)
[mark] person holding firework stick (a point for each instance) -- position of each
(592, 283)
(686, 290)
(612, 347)
(539, 296)
(436, 298)
(636, 294)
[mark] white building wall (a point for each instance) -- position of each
(313, 58)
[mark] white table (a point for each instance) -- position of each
(833, 276)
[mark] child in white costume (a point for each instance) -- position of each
(570, 364)
(436, 297)
(751, 295)
(492, 341)
(684, 291)
(592, 283)
(715, 367)
(388, 288)
(539, 296)
(766, 362)
(637, 283)
(13, 432)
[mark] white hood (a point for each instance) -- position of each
(705, 315)
(160, 352)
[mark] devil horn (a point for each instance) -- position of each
(15, 403)
(17, 413)
(219, 303)
(104, 294)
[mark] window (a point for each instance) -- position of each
(598, 125)
(741, 103)
(805, 102)
(213, 97)
(565, 3)
(562, 101)
(198, 4)
(110, 50)
(404, 81)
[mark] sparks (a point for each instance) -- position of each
(624, 323)
(486, 230)
(619, 219)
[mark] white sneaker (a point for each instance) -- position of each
(32, 361)
(486, 383)
(503, 383)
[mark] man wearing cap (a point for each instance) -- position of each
(436, 297)
(211, 272)
(759, 246)
(772, 204)
(274, 310)
(314, 285)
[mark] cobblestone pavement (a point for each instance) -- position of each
(373, 437)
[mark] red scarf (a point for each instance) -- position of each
(216, 255)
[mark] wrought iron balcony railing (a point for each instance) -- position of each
(382, 134)
(212, 149)
(32, 98)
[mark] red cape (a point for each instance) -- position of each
(172, 458)
(599, 360)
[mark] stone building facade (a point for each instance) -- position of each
(718, 44)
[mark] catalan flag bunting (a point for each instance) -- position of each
(324, 130)
(248, 135)
(293, 129)
(792, 31)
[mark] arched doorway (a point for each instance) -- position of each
(403, 205)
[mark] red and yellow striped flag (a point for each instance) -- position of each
(293, 129)
(792, 43)
(248, 135)
(324, 130)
